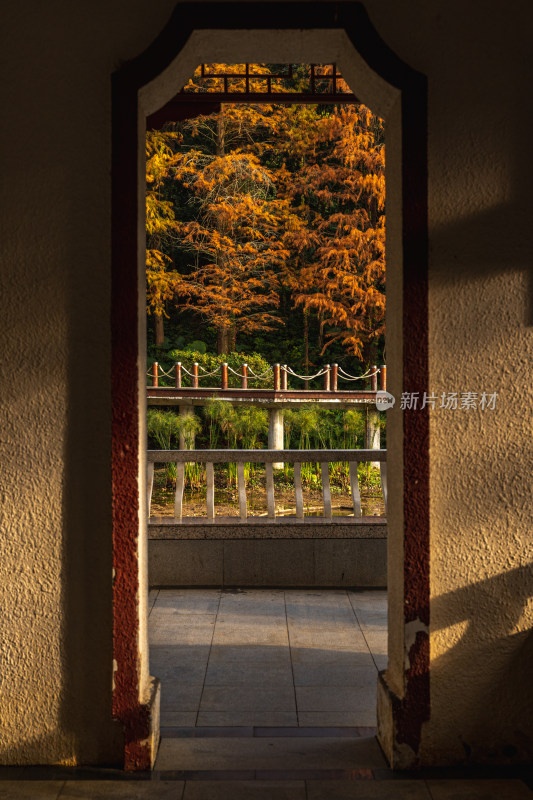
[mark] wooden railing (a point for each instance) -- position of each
(268, 458)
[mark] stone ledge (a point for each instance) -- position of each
(264, 528)
(288, 562)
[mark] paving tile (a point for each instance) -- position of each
(247, 698)
(185, 673)
(305, 615)
(269, 754)
(247, 718)
(336, 698)
(175, 719)
(169, 634)
(381, 662)
(377, 642)
(189, 601)
(248, 654)
(372, 620)
(260, 612)
(123, 790)
(176, 696)
(309, 674)
(268, 676)
(179, 653)
(207, 732)
(244, 790)
(231, 597)
(169, 618)
(353, 731)
(152, 597)
(317, 597)
(30, 790)
(367, 790)
(363, 717)
(250, 635)
(339, 657)
(481, 789)
(368, 597)
(327, 639)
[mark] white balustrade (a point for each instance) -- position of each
(268, 458)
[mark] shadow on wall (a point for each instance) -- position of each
(482, 680)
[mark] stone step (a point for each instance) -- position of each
(269, 753)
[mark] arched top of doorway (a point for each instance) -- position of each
(279, 32)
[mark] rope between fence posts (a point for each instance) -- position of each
(259, 377)
(346, 377)
(305, 377)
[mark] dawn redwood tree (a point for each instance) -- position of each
(235, 242)
(271, 198)
(338, 193)
(161, 229)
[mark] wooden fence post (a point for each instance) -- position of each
(383, 378)
(374, 379)
(327, 379)
(334, 376)
(276, 377)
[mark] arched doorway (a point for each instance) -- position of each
(278, 32)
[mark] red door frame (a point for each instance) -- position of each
(414, 708)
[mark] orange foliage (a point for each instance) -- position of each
(282, 195)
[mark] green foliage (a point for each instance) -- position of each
(166, 427)
(209, 363)
(259, 207)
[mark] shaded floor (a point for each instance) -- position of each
(268, 658)
(155, 789)
(267, 695)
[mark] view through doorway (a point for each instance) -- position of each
(330, 34)
(266, 243)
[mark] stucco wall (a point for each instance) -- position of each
(55, 570)
(55, 564)
(480, 327)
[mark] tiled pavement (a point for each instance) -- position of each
(266, 695)
(269, 658)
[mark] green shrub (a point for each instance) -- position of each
(208, 363)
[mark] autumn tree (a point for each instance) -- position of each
(272, 199)
(161, 227)
(236, 237)
(235, 242)
(338, 192)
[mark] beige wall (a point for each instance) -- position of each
(481, 317)
(55, 569)
(55, 564)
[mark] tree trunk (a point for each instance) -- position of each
(320, 341)
(223, 344)
(223, 341)
(159, 330)
(232, 338)
(221, 134)
(306, 341)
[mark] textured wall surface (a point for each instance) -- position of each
(55, 569)
(55, 565)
